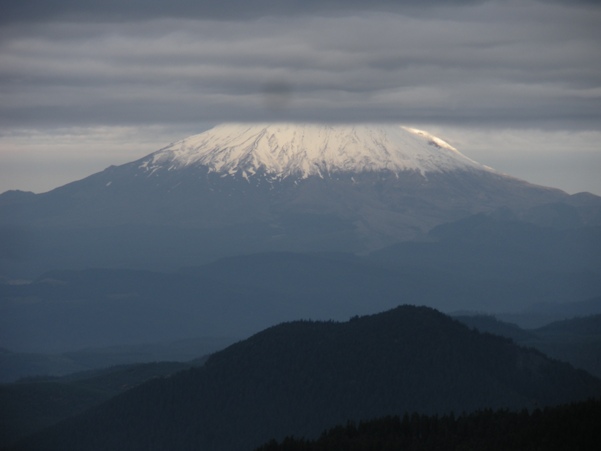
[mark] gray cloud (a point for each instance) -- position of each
(131, 10)
(507, 63)
(386, 66)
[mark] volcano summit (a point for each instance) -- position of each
(287, 150)
(240, 188)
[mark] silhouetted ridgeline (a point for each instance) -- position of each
(302, 377)
(567, 427)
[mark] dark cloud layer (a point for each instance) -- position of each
(118, 10)
(36, 11)
(155, 62)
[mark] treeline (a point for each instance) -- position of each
(574, 426)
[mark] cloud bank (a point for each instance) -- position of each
(134, 62)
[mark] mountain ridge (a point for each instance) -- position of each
(300, 377)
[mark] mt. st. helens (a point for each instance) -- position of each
(246, 188)
(286, 150)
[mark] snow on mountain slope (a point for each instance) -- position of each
(303, 150)
(351, 188)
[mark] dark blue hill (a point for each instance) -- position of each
(301, 377)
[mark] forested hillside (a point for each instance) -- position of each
(32, 404)
(567, 427)
(301, 377)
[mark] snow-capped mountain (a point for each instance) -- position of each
(292, 150)
(240, 188)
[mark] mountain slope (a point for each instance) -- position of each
(15, 365)
(254, 188)
(300, 151)
(481, 266)
(577, 340)
(480, 263)
(301, 377)
(29, 406)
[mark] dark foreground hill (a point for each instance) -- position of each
(30, 405)
(574, 426)
(299, 378)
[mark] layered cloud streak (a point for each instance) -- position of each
(492, 62)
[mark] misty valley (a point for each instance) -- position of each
(300, 287)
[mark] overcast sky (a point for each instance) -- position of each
(86, 84)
